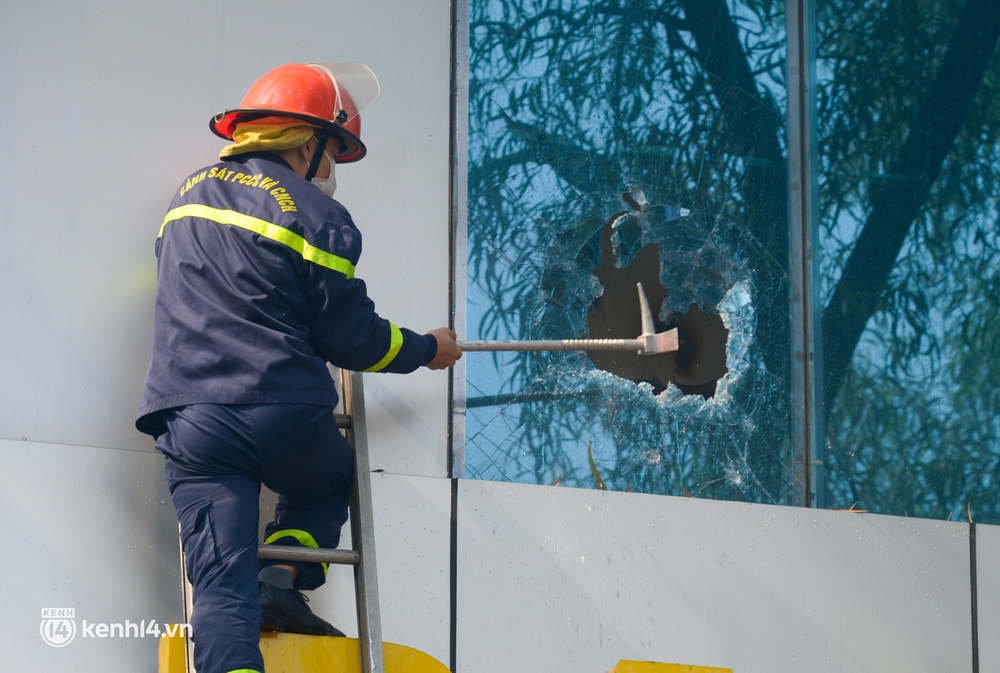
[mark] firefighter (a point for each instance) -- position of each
(256, 293)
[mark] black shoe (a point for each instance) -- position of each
(286, 610)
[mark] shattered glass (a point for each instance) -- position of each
(605, 149)
(616, 142)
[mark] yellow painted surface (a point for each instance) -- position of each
(625, 666)
(172, 655)
(294, 653)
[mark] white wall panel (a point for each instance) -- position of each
(93, 530)
(107, 107)
(399, 196)
(413, 532)
(568, 580)
(562, 580)
(988, 583)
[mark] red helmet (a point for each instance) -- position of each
(330, 96)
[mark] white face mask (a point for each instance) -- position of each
(327, 185)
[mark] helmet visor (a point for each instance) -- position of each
(357, 80)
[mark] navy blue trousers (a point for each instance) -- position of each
(217, 456)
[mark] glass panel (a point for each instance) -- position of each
(908, 118)
(612, 143)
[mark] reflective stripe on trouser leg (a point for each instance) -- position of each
(300, 536)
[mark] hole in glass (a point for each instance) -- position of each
(701, 360)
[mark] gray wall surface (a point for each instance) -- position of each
(107, 107)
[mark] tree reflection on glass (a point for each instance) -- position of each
(611, 141)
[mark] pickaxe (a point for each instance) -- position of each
(648, 343)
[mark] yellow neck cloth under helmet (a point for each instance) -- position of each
(268, 134)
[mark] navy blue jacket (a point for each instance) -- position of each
(256, 293)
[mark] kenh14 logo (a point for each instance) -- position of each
(58, 626)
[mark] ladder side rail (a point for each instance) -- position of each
(187, 596)
(363, 529)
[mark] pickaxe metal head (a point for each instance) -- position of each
(653, 343)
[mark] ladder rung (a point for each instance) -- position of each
(277, 552)
(343, 420)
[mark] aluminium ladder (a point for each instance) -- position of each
(362, 557)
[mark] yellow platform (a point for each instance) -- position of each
(293, 653)
(624, 666)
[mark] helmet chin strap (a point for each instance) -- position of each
(321, 138)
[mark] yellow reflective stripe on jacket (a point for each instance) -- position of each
(266, 229)
(304, 538)
(395, 343)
